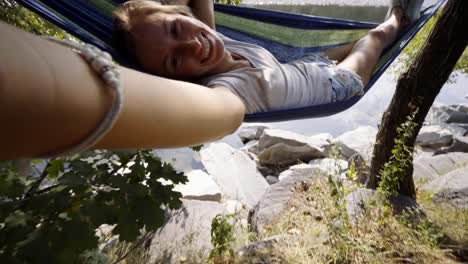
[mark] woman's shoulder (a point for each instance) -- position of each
(258, 56)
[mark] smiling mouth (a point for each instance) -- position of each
(206, 48)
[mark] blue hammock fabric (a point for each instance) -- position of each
(288, 36)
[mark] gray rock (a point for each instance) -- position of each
(275, 200)
(451, 188)
(458, 116)
(330, 166)
(449, 113)
(298, 171)
(456, 130)
(251, 146)
(260, 249)
(361, 167)
(265, 171)
(357, 201)
(459, 158)
(423, 172)
(452, 117)
(235, 173)
(360, 140)
(324, 166)
(345, 151)
(279, 147)
(427, 168)
(272, 179)
(186, 233)
(251, 131)
(434, 137)
(441, 164)
(233, 207)
(200, 186)
(459, 144)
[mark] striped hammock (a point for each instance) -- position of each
(288, 36)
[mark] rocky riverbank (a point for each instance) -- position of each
(256, 180)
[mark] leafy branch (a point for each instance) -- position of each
(400, 160)
(52, 224)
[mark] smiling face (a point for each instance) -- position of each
(178, 46)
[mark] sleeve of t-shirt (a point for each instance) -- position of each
(249, 84)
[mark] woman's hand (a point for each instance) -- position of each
(202, 9)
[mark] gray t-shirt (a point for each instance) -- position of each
(271, 85)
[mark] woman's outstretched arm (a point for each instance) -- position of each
(50, 99)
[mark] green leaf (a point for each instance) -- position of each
(197, 148)
(72, 179)
(54, 168)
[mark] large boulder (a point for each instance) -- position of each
(233, 207)
(450, 188)
(298, 171)
(279, 147)
(200, 186)
(324, 166)
(261, 251)
(186, 234)
(434, 137)
(235, 173)
(275, 201)
(423, 171)
(459, 144)
(428, 168)
(330, 166)
(455, 113)
(459, 158)
(357, 201)
(361, 140)
(452, 117)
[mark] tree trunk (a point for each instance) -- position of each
(419, 85)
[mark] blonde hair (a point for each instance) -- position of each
(125, 18)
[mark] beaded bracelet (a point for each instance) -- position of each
(101, 62)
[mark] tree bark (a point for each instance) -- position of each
(418, 87)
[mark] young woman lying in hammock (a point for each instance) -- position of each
(50, 98)
(179, 41)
